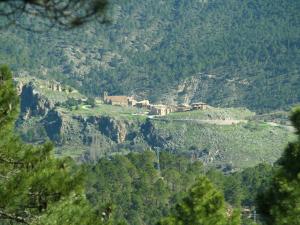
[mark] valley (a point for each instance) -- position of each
(152, 112)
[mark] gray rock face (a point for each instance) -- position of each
(151, 136)
(61, 128)
(53, 125)
(32, 103)
(115, 130)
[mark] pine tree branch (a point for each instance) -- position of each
(4, 215)
(10, 161)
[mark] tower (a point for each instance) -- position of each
(105, 94)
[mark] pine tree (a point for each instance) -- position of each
(35, 187)
(280, 204)
(204, 205)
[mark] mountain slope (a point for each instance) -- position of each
(239, 53)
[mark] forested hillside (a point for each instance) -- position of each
(228, 53)
(141, 190)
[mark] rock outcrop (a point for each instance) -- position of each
(32, 103)
(53, 124)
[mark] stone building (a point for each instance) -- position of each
(131, 101)
(143, 104)
(159, 110)
(199, 106)
(183, 108)
(120, 100)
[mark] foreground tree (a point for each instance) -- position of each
(60, 13)
(204, 205)
(35, 187)
(280, 204)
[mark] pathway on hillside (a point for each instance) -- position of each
(198, 121)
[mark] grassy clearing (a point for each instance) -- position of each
(118, 112)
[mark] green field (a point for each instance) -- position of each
(118, 112)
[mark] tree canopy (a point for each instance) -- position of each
(280, 204)
(204, 205)
(34, 185)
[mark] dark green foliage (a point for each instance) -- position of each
(74, 210)
(253, 181)
(233, 190)
(140, 193)
(203, 205)
(280, 203)
(91, 101)
(241, 188)
(8, 99)
(71, 103)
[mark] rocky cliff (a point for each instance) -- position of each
(32, 102)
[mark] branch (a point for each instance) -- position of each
(9, 161)
(4, 215)
(65, 14)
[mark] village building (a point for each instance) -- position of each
(120, 100)
(159, 110)
(143, 104)
(183, 108)
(131, 101)
(199, 106)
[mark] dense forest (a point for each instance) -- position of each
(242, 53)
(139, 188)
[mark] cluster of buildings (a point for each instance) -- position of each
(160, 110)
